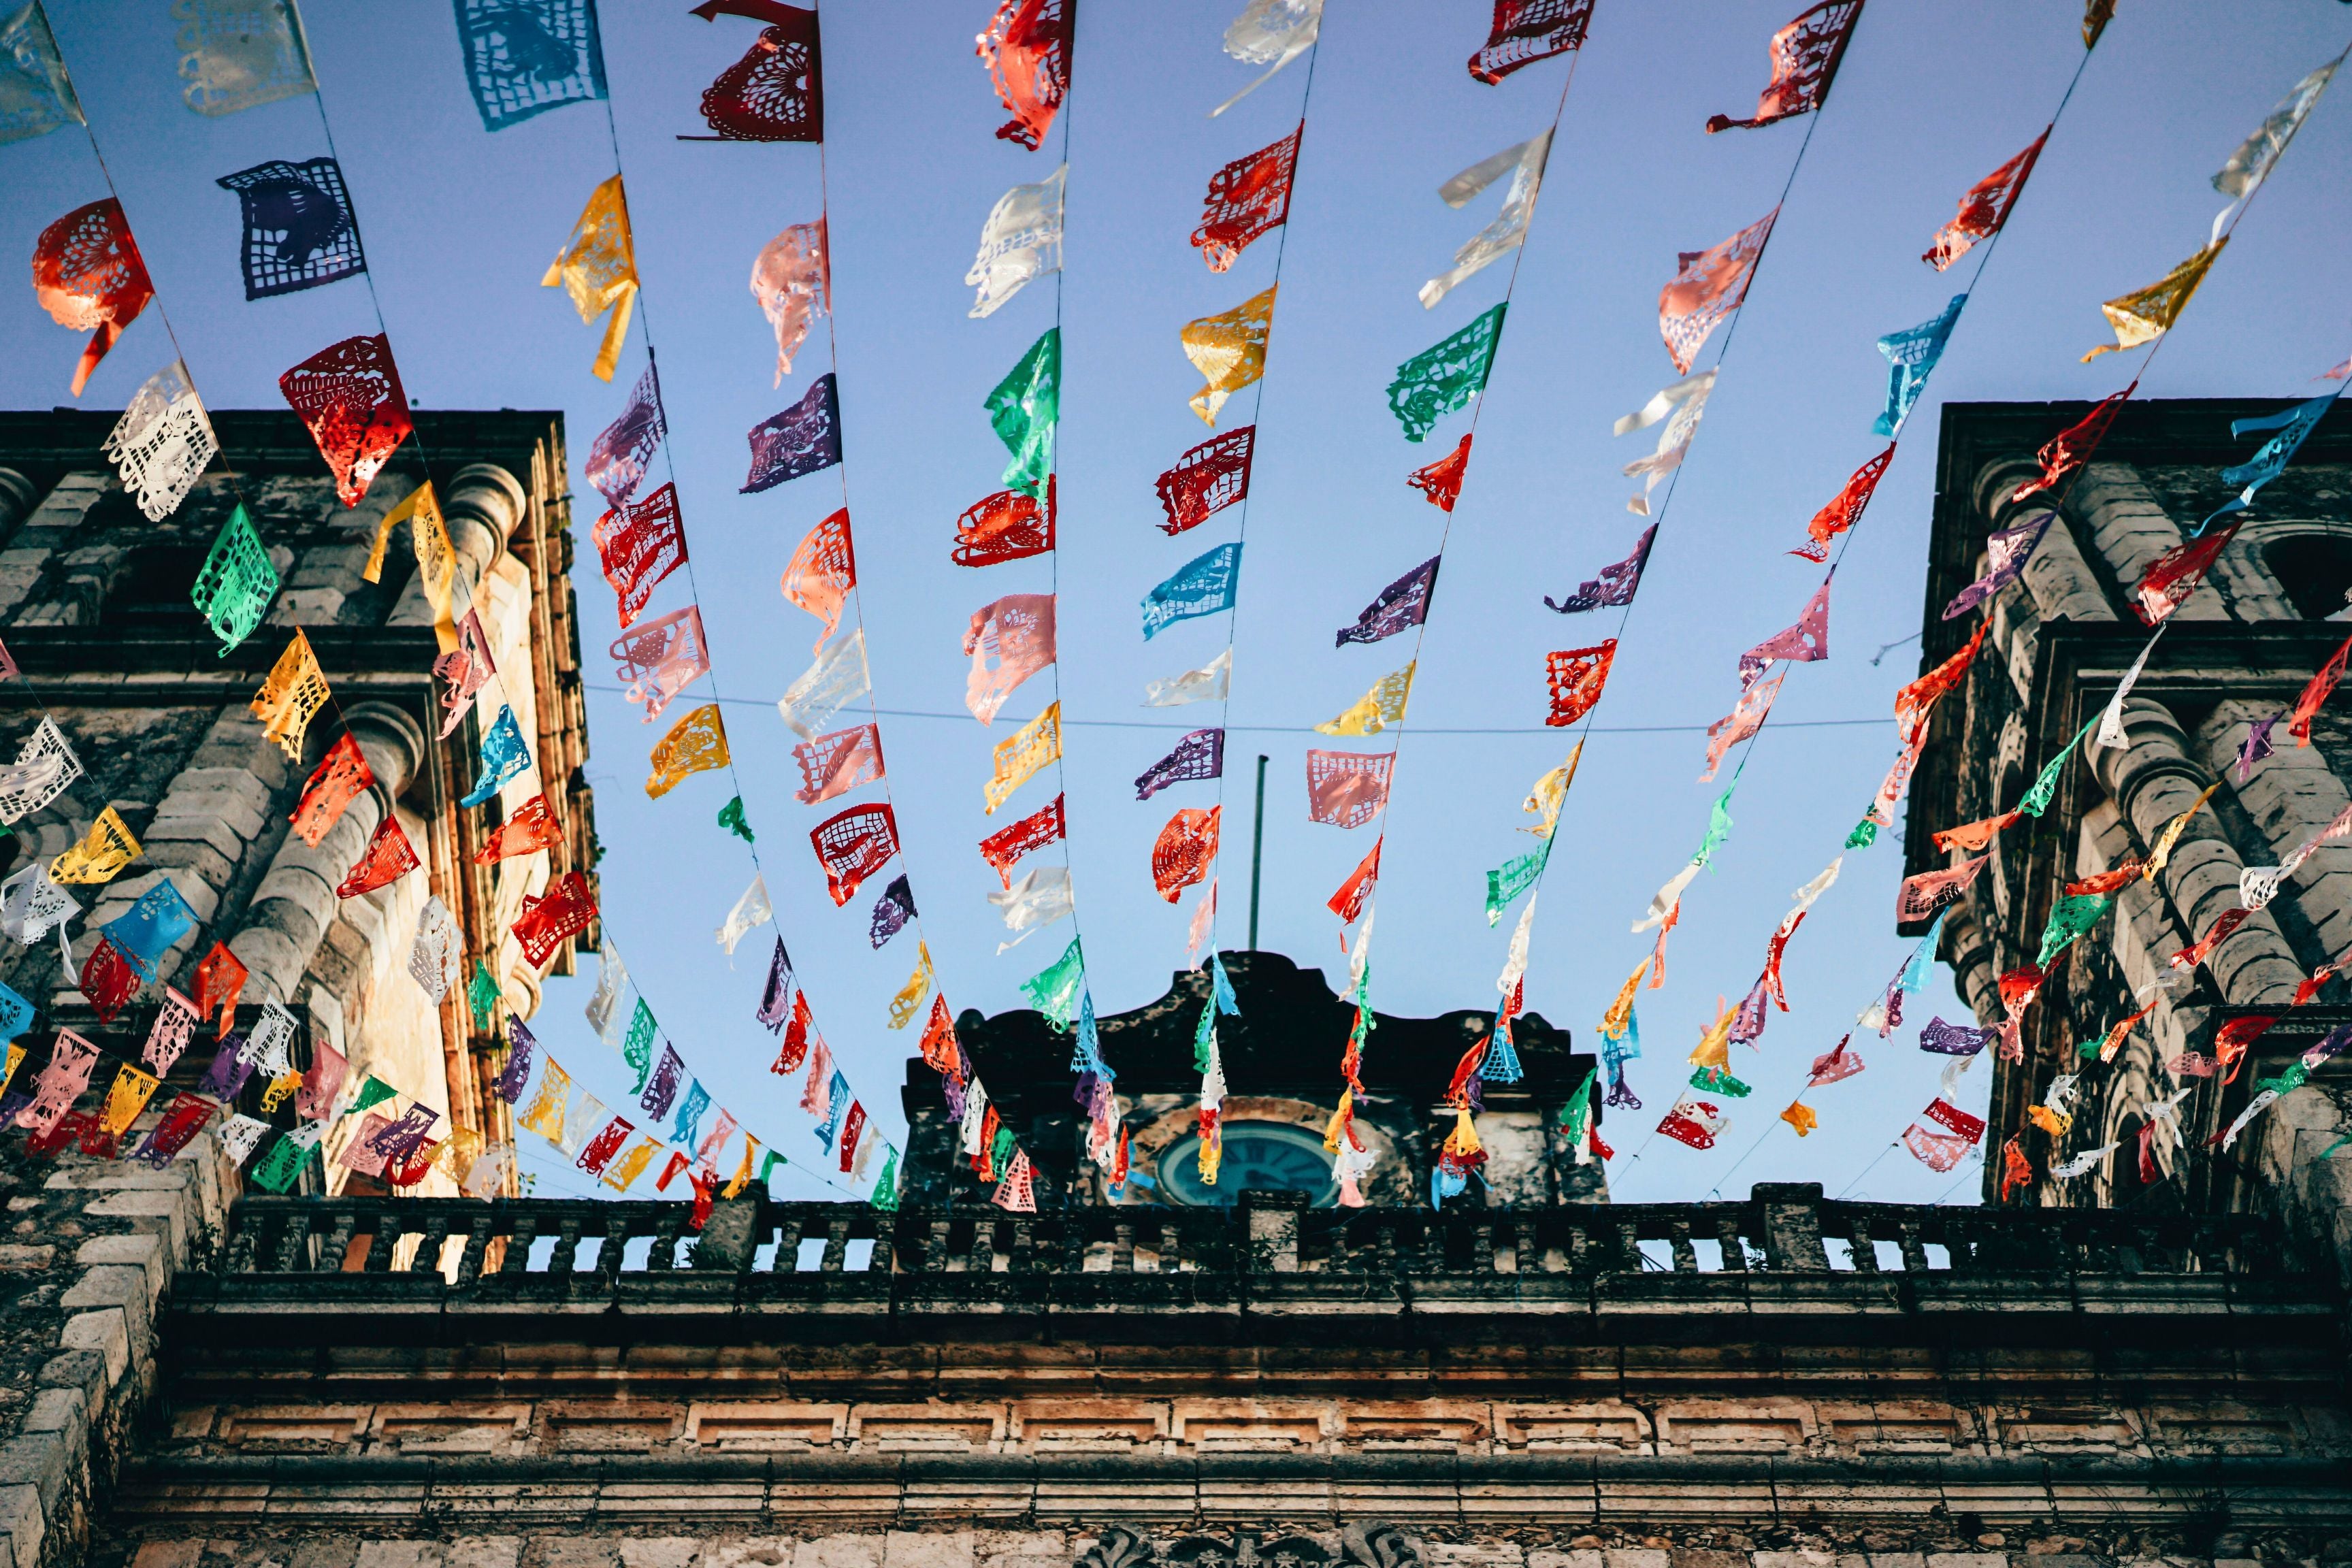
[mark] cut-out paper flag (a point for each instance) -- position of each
(638, 544)
(1805, 56)
(349, 397)
(1270, 32)
(837, 678)
(696, 743)
(2146, 314)
(1348, 789)
(1681, 405)
(1206, 479)
(822, 572)
(1007, 642)
(852, 847)
(1024, 409)
(1184, 851)
(1198, 755)
(1526, 31)
(1206, 684)
(836, 764)
(506, 756)
(776, 91)
(2173, 577)
(88, 275)
(1026, 48)
(1844, 508)
(1229, 351)
(793, 279)
(1911, 356)
(1984, 208)
(1039, 898)
(661, 657)
(1248, 197)
(1403, 604)
(1576, 677)
(804, 439)
(598, 268)
(37, 96)
(892, 910)
(164, 439)
(752, 912)
(1004, 848)
(1524, 164)
(1376, 709)
(2006, 554)
(1616, 584)
(1447, 377)
(618, 457)
(1006, 526)
(1019, 756)
(563, 910)
(387, 858)
(1441, 482)
(1746, 718)
(526, 56)
(1707, 286)
(1205, 585)
(1922, 895)
(1021, 242)
(291, 696)
(1803, 643)
(2294, 426)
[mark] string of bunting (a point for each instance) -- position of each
(1955, 1133)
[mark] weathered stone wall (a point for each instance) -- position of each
(95, 606)
(2238, 651)
(88, 1251)
(1936, 1542)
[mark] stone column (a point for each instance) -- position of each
(16, 497)
(296, 902)
(483, 505)
(2153, 779)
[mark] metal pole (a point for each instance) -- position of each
(1257, 851)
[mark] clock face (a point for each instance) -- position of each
(1266, 1155)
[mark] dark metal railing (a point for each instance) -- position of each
(1785, 1230)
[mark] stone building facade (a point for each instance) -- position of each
(1781, 1383)
(95, 610)
(1281, 1056)
(2271, 612)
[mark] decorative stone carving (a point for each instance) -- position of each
(1362, 1545)
(1372, 1544)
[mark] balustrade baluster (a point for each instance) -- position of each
(294, 1235)
(791, 1224)
(836, 1245)
(338, 1243)
(477, 1247)
(521, 1233)
(1915, 1251)
(428, 1250)
(1865, 1251)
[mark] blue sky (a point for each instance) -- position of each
(460, 224)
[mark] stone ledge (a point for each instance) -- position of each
(958, 1545)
